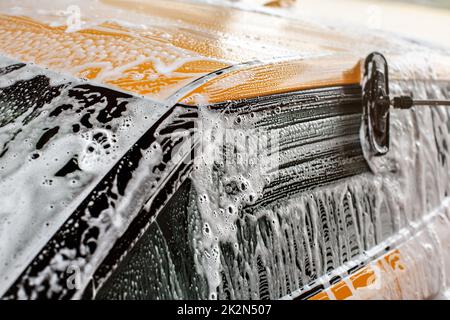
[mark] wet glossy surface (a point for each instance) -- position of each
(156, 48)
(58, 138)
(95, 169)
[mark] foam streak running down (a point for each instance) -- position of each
(276, 245)
(260, 222)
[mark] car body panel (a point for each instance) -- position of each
(164, 47)
(164, 53)
(94, 126)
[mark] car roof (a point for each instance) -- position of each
(158, 48)
(172, 52)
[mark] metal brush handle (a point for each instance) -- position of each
(376, 102)
(406, 102)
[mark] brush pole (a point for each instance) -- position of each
(406, 102)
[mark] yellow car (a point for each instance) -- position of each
(181, 150)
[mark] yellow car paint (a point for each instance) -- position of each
(192, 41)
(183, 42)
(279, 77)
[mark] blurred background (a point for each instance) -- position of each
(422, 20)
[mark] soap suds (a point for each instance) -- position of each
(42, 179)
(275, 249)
